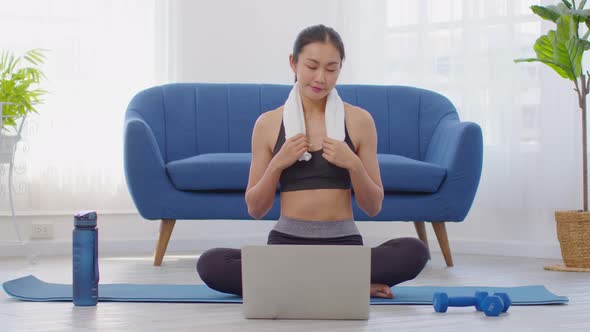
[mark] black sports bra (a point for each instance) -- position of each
(317, 173)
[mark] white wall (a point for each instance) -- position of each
(130, 234)
(240, 41)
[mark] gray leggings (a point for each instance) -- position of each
(392, 262)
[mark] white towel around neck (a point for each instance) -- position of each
(294, 121)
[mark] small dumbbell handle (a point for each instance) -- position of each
(462, 301)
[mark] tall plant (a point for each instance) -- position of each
(19, 80)
(562, 49)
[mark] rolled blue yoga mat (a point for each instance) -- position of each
(30, 288)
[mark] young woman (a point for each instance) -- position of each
(316, 200)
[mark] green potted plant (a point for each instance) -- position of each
(562, 49)
(19, 93)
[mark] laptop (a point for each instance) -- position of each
(306, 281)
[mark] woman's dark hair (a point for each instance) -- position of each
(318, 33)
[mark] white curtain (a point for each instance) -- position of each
(464, 49)
(102, 52)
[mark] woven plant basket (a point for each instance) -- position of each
(573, 232)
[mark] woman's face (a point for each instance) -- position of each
(317, 69)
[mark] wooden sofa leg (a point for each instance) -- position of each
(443, 241)
(166, 227)
(421, 230)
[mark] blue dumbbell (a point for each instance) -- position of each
(441, 301)
(491, 305)
(506, 299)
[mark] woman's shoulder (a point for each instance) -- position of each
(270, 118)
(360, 124)
(268, 125)
(357, 115)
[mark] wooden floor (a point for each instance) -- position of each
(469, 270)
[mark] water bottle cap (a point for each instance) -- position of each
(85, 219)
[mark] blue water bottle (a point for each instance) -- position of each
(85, 259)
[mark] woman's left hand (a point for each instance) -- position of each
(339, 153)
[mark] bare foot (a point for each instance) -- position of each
(381, 290)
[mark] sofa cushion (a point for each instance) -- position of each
(399, 173)
(230, 171)
(211, 171)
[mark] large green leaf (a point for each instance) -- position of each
(550, 13)
(568, 50)
(575, 51)
(561, 50)
(545, 53)
(556, 66)
(553, 12)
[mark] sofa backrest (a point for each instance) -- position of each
(197, 118)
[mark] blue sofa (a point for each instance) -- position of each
(187, 153)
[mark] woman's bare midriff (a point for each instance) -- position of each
(317, 204)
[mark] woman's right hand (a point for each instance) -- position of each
(291, 150)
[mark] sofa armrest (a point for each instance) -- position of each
(453, 143)
(145, 171)
(457, 146)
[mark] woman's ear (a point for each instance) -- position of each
(292, 63)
